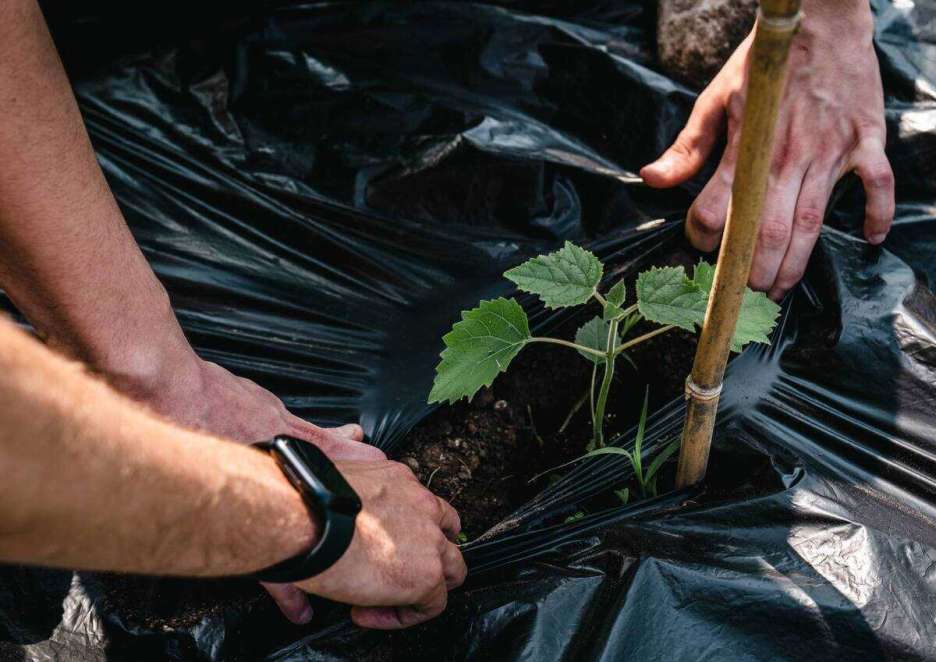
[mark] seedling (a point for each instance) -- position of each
(487, 338)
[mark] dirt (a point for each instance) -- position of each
(696, 37)
(481, 455)
(478, 455)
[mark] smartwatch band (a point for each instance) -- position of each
(331, 501)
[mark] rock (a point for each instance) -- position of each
(472, 427)
(695, 37)
(412, 463)
(500, 405)
(453, 443)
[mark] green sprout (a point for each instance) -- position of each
(487, 338)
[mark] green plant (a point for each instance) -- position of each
(487, 338)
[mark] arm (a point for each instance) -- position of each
(69, 262)
(831, 122)
(91, 481)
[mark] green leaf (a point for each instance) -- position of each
(594, 334)
(479, 347)
(660, 459)
(617, 294)
(567, 277)
(666, 296)
(756, 320)
(704, 275)
(614, 297)
(758, 314)
(623, 495)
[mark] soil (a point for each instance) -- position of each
(479, 455)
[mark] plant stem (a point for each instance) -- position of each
(600, 299)
(640, 339)
(591, 407)
(627, 311)
(566, 343)
(575, 408)
(598, 423)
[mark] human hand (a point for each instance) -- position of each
(831, 122)
(401, 562)
(204, 396)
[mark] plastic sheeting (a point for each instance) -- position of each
(324, 186)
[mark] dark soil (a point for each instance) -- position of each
(481, 455)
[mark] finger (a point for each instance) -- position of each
(687, 154)
(351, 431)
(396, 618)
(337, 447)
(453, 566)
(775, 229)
(874, 169)
(292, 601)
(807, 223)
(705, 220)
(449, 521)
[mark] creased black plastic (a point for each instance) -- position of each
(324, 186)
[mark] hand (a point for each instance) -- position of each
(402, 561)
(831, 122)
(204, 396)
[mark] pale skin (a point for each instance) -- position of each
(69, 262)
(82, 464)
(831, 123)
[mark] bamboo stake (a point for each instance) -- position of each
(776, 25)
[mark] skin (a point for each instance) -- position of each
(831, 123)
(93, 481)
(63, 240)
(71, 266)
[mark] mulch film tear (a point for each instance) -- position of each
(323, 186)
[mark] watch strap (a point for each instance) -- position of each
(331, 501)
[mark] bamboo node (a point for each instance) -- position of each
(696, 392)
(779, 23)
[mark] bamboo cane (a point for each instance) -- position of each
(776, 25)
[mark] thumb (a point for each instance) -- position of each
(687, 154)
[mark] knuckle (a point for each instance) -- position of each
(774, 234)
(880, 178)
(399, 470)
(707, 219)
(685, 145)
(809, 220)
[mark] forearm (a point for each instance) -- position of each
(67, 258)
(90, 481)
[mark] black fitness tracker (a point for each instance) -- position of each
(332, 503)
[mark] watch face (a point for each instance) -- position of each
(315, 475)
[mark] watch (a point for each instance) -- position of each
(331, 502)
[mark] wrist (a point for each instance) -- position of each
(288, 528)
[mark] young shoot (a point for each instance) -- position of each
(487, 338)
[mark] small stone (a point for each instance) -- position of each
(500, 405)
(472, 427)
(412, 463)
(454, 442)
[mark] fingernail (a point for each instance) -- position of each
(876, 239)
